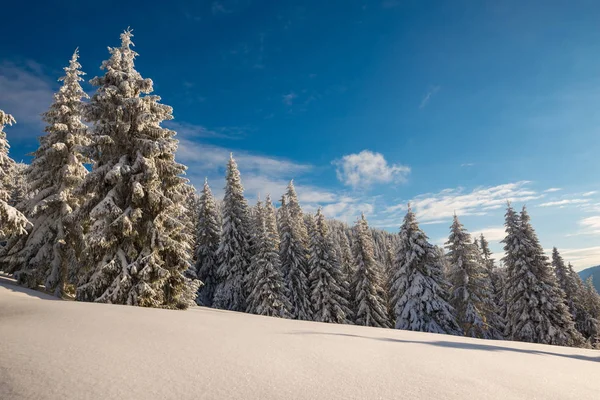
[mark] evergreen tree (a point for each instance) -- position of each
(369, 305)
(21, 189)
(328, 294)
(419, 288)
(294, 263)
(12, 221)
(569, 282)
(265, 286)
(56, 171)
(207, 243)
(590, 319)
(295, 213)
(138, 248)
(495, 278)
(470, 295)
(536, 309)
(235, 250)
(271, 220)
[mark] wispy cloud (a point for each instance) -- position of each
(433, 90)
(492, 234)
(366, 168)
(587, 194)
(190, 131)
(443, 205)
(289, 98)
(390, 3)
(551, 190)
(580, 258)
(26, 92)
(564, 202)
(467, 164)
(218, 7)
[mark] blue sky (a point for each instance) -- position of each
(453, 105)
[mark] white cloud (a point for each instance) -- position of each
(443, 205)
(187, 130)
(289, 98)
(467, 164)
(492, 234)
(563, 202)
(587, 194)
(591, 222)
(366, 168)
(26, 93)
(551, 190)
(428, 96)
(581, 258)
(209, 157)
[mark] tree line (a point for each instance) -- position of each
(104, 214)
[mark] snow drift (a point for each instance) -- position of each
(70, 350)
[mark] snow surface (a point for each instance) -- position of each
(53, 349)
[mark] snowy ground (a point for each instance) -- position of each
(51, 349)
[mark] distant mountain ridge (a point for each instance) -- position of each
(594, 272)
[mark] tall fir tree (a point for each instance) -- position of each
(235, 252)
(495, 278)
(295, 213)
(569, 282)
(419, 288)
(590, 320)
(55, 173)
(271, 220)
(536, 309)
(265, 286)
(207, 243)
(328, 294)
(470, 293)
(12, 221)
(369, 305)
(138, 248)
(294, 263)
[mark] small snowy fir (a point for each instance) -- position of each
(368, 304)
(12, 222)
(294, 263)
(207, 243)
(265, 286)
(328, 295)
(56, 171)
(419, 288)
(470, 293)
(536, 309)
(234, 252)
(138, 247)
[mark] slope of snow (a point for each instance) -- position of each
(53, 349)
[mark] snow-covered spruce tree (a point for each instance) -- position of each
(234, 252)
(264, 283)
(271, 220)
(294, 264)
(570, 283)
(295, 213)
(495, 277)
(21, 190)
(536, 309)
(328, 294)
(368, 304)
(207, 243)
(12, 222)
(419, 288)
(56, 171)
(138, 247)
(590, 320)
(470, 293)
